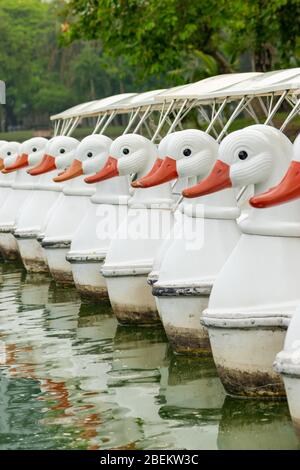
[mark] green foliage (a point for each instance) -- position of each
(54, 54)
(269, 29)
(190, 38)
(42, 77)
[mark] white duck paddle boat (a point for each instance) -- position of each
(287, 364)
(204, 234)
(130, 256)
(288, 361)
(91, 240)
(15, 190)
(21, 186)
(249, 305)
(31, 221)
(31, 152)
(66, 214)
(8, 152)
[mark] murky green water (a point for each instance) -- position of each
(71, 378)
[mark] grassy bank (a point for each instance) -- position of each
(114, 131)
(79, 133)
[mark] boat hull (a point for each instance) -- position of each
(129, 262)
(244, 359)
(59, 267)
(88, 279)
(181, 319)
(8, 215)
(292, 387)
(66, 216)
(33, 255)
(247, 326)
(132, 300)
(30, 223)
(89, 247)
(187, 271)
(8, 246)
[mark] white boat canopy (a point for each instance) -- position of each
(131, 103)
(203, 88)
(90, 107)
(2, 92)
(264, 84)
(140, 105)
(175, 103)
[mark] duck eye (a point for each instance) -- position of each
(90, 154)
(187, 152)
(62, 151)
(8, 153)
(126, 151)
(243, 155)
(34, 149)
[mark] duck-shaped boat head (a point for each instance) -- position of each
(9, 152)
(31, 152)
(2, 143)
(257, 155)
(133, 154)
(59, 154)
(91, 154)
(187, 153)
(253, 155)
(129, 154)
(288, 188)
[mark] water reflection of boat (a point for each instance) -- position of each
(192, 399)
(35, 289)
(256, 424)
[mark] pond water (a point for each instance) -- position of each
(71, 378)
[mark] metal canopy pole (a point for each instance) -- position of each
(277, 105)
(63, 126)
(110, 118)
(216, 116)
(132, 119)
(291, 114)
(99, 122)
(263, 107)
(147, 112)
(67, 126)
(249, 109)
(74, 125)
(162, 121)
(56, 127)
(206, 118)
(235, 113)
(176, 120)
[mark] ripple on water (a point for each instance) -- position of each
(70, 378)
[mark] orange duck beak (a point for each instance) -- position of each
(1, 163)
(47, 164)
(287, 190)
(109, 170)
(218, 179)
(139, 183)
(166, 171)
(72, 172)
(21, 162)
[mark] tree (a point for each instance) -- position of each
(179, 35)
(44, 77)
(270, 29)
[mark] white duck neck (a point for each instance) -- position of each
(24, 181)
(77, 187)
(113, 191)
